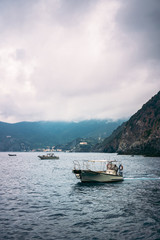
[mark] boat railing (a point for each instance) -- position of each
(86, 165)
(77, 165)
(83, 165)
(90, 165)
(103, 166)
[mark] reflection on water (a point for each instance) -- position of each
(44, 200)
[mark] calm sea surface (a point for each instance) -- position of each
(42, 199)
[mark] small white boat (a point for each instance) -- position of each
(48, 156)
(98, 171)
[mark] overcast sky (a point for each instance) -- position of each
(73, 60)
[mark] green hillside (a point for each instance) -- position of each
(25, 136)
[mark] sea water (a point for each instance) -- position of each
(42, 199)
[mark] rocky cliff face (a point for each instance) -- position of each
(140, 134)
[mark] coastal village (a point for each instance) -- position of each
(54, 149)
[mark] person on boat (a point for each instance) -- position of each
(109, 166)
(116, 168)
(120, 169)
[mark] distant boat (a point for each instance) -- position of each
(11, 155)
(108, 171)
(48, 156)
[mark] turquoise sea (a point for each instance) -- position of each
(42, 199)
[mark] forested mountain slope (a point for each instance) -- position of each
(25, 136)
(139, 135)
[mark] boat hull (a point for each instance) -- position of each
(46, 158)
(91, 176)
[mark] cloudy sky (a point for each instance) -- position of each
(74, 60)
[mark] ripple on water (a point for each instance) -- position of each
(44, 200)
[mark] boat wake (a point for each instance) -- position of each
(142, 178)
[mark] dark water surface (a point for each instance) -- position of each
(42, 199)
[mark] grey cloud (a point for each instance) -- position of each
(19, 54)
(70, 13)
(71, 6)
(77, 58)
(14, 14)
(141, 21)
(141, 15)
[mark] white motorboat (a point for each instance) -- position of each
(48, 156)
(98, 171)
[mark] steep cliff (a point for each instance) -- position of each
(140, 134)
